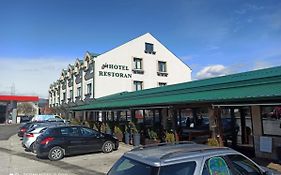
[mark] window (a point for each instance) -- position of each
(137, 67)
(243, 165)
(88, 132)
(149, 48)
(271, 120)
(137, 63)
(70, 94)
(138, 85)
(89, 88)
(186, 168)
(73, 131)
(162, 66)
(216, 165)
(78, 92)
(162, 84)
(64, 96)
(125, 166)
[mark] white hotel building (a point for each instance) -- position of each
(141, 63)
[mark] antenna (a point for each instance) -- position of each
(13, 89)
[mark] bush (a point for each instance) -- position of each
(170, 137)
(213, 142)
(152, 134)
(75, 121)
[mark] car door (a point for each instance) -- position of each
(92, 140)
(74, 141)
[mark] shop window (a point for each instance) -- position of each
(122, 117)
(138, 85)
(149, 118)
(271, 120)
(187, 119)
(139, 116)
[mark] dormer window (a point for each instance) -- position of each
(149, 48)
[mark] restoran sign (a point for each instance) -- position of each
(111, 71)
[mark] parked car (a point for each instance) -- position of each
(185, 159)
(56, 142)
(24, 118)
(29, 125)
(45, 117)
(34, 131)
(30, 137)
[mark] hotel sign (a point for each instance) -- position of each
(110, 70)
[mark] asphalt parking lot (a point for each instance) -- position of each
(14, 160)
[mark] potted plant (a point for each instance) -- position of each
(170, 137)
(108, 129)
(118, 133)
(213, 142)
(136, 135)
(152, 137)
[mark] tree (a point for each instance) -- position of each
(26, 108)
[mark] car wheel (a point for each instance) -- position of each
(56, 153)
(107, 147)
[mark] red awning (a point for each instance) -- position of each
(18, 98)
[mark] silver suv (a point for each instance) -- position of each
(185, 158)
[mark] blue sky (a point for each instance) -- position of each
(39, 38)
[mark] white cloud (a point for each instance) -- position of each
(260, 64)
(30, 76)
(212, 71)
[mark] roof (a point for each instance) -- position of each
(260, 84)
(18, 98)
(161, 154)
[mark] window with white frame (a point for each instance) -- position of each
(89, 88)
(78, 92)
(138, 85)
(70, 95)
(162, 66)
(138, 63)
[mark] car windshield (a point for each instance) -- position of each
(125, 166)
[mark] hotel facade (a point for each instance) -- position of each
(141, 63)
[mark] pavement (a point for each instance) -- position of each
(14, 160)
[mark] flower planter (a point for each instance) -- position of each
(127, 138)
(136, 138)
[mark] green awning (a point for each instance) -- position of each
(255, 85)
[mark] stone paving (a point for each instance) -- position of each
(15, 161)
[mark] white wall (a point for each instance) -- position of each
(124, 54)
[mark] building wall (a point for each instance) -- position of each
(124, 55)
